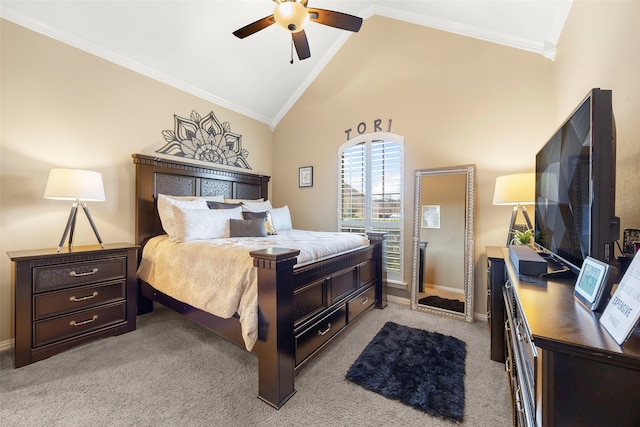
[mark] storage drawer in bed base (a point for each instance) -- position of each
(319, 333)
(360, 303)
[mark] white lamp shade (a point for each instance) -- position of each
(518, 189)
(74, 184)
(291, 16)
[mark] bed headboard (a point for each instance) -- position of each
(161, 176)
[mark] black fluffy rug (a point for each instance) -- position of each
(445, 303)
(421, 369)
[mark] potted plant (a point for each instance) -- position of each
(522, 237)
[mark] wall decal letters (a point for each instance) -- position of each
(362, 128)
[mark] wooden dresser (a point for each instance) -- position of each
(563, 368)
(496, 277)
(64, 299)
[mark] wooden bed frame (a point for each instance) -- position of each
(301, 309)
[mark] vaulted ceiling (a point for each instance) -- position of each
(189, 43)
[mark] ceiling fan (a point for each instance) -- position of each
(293, 16)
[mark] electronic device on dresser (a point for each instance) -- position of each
(575, 187)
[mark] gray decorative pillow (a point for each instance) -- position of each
(268, 225)
(248, 227)
(222, 205)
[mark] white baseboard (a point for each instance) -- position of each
(481, 316)
(398, 300)
(6, 345)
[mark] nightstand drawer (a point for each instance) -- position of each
(79, 298)
(77, 323)
(78, 273)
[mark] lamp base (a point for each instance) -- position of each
(71, 225)
(512, 225)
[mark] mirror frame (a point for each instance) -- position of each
(469, 256)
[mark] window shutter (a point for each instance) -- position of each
(371, 194)
(353, 186)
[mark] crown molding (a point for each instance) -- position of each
(547, 49)
(86, 46)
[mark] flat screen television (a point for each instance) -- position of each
(575, 187)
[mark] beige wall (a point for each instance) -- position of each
(455, 100)
(62, 107)
(600, 47)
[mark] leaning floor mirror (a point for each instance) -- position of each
(443, 241)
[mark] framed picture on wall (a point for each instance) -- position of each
(431, 216)
(305, 176)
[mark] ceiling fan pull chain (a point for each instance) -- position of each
(291, 62)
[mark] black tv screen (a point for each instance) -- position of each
(575, 186)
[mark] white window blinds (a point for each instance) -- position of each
(371, 194)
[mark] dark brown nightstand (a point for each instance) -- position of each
(64, 299)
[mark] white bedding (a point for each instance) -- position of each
(218, 276)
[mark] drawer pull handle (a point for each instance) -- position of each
(519, 407)
(88, 273)
(518, 333)
(76, 299)
(366, 300)
(326, 330)
(84, 322)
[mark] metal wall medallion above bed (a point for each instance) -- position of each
(301, 308)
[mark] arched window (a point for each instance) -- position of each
(371, 182)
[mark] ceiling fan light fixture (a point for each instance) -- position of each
(291, 16)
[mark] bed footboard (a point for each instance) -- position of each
(275, 350)
(303, 310)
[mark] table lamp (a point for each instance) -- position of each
(80, 186)
(517, 190)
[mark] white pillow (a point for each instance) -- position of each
(281, 218)
(218, 198)
(202, 224)
(243, 200)
(165, 209)
(257, 206)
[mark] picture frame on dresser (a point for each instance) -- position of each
(593, 283)
(631, 239)
(621, 315)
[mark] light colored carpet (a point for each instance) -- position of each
(172, 372)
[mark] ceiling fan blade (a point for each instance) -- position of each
(335, 19)
(302, 45)
(254, 27)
